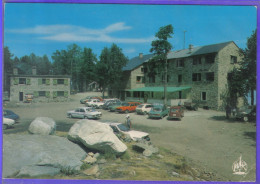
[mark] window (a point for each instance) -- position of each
(128, 94)
(168, 78)
(22, 80)
(196, 77)
(142, 70)
(233, 59)
(60, 93)
(210, 58)
(196, 60)
(180, 63)
(42, 93)
(203, 96)
(179, 78)
(210, 76)
(60, 81)
(136, 94)
(43, 81)
(138, 79)
(143, 79)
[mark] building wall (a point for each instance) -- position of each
(33, 86)
(133, 78)
(224, 67)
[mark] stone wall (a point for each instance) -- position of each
(50, 91)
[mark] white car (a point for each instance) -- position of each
(84, 112)
(7, 123)
(135, 135)
(143, 108)
(94, 103)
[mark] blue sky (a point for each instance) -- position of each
(43, 28)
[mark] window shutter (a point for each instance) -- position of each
(47, 81)
(39, 81)
(28, 81)
(54, 81)
(66, 93)
(35, 94)
(54, 94)
(16, 81)
(66, 82)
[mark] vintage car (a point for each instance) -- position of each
(7, 123)
(133, 134)
(176, 112)
(246, 113)
(109, 103)
(127, 107)
(158, 111)
(94, 103)
(143, 108)
(86, 99)
(11, 115)
(112, 108)
(84, 112)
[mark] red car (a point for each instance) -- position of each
(127, 107)
(176, 112)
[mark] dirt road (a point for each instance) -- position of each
(204, 136)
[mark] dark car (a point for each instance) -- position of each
(176, 112)
(109, 103)
(11, 115)
(246, 113)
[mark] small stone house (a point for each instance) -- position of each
(198, 74)
(43, 88)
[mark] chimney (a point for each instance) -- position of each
(15, 71)
(140, 55)
(34, 70)
(190, 48)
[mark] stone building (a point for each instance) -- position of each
(43, 88)
(199, 74)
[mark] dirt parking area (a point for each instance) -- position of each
(204, 136)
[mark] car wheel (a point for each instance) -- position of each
(126, 111)
(85, 117)
(245, 119)
(5, 126)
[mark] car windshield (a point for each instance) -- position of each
(174, 110)
(157, 109)
(123, 127)
(125, 104)
(92, 110)
(140, 106)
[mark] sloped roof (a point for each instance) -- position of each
(198, 50)
(136, 61)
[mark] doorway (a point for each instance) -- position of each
(20, 96)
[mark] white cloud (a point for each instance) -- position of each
(71, 33)
(129, 51)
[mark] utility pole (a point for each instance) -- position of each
(184, 39)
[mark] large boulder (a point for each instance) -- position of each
(35, 155)
(97, 136)
(42, 126)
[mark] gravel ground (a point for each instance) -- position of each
(204, 136)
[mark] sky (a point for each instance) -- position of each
(43, 28)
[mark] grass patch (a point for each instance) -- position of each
(61, 134)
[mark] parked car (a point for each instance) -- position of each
(88, 98)
(84, 112)
(176, 112)
(133, 134)
(109, 103)
(246, 113)
(191, 106)
(7, 123)
(11, 115)
(112, 108)
(158, 111)
(143, 108)
(94, 103)
(127, 107)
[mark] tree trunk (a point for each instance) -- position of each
(252, 96)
